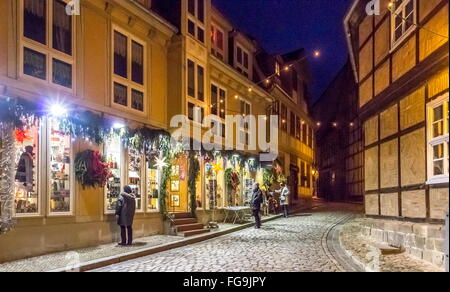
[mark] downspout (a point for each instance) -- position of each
(348, 38)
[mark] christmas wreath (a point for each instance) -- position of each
(91, 169)
(232, 178)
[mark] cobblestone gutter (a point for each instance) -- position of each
(364, 245)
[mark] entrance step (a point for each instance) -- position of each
(181, 215)
(386, 249)
(188, 227)
(193, 232)
(184, 221)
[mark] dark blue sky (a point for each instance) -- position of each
(285, 25)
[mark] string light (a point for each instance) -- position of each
(319, 124)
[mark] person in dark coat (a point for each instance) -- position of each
(257, 200)
(125, 210)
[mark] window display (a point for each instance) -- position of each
(26, 176)
(59, 169)
(134, 176)
(152, 187)
(113, 154)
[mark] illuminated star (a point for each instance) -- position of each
(217, 167)
(160, 163)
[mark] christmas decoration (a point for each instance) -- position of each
(194, 170)
(160, 162)
(91, 169)
(7, 168)
(217, 167)
(21, 135)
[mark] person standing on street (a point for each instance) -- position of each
(284, 199)
(125, 210)
(257, 200)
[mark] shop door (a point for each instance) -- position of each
(293, 186)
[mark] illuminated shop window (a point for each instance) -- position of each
(60, 170)
(27, 201)
(135, 168)
(113, 154)
(152, 186)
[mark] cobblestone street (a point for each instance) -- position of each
(298, 243)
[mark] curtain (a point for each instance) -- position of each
(62, 36)
(120, 44)
(35, 7)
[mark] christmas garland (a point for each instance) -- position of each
(91, 169)
(194, 170)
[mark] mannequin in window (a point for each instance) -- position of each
(24, 174)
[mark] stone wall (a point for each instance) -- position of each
(422, 241)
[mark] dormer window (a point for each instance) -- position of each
(242, 61)
(403, 15)
(196, 19)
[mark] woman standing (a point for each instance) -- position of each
(125, 210)
(284, 199)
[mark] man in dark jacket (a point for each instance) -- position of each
(257, 200)
(125, 210)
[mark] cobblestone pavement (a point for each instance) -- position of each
(294, 244)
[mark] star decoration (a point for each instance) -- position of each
(160, 163)
(217, 167)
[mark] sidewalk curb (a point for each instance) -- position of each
(107, 261)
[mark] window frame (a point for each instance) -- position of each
(47, 124)
(405, 33)
(195, 100)
(142, 178)
(432, 142)
(128, 82)
(241, 66)
(245, 127)
(215, 50)
(196, 21)
(47, 50)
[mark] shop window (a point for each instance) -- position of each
(196, 19)
(60, 170)
(114, 159)
(129, 78)
(27, 201)
(135, 167)
(152, 186)
(47, 46)
(403, 19)
(438, 141)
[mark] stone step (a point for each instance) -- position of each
(194, 232)
(181, 215)
(184, 221)
(188, 227)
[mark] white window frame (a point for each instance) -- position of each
(40, 179)
(401, 11)
(47, 50)
(123, 175)
(214, 48)
(145, 190)
(128, 81)
(71, 175)
(431, 142)
(195, 100)
(143, 179)
(197, 22)
(239, 65)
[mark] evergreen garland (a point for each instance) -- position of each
(194, 170)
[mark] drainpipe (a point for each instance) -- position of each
(348, 34)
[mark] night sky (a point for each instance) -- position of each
(285, 25)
